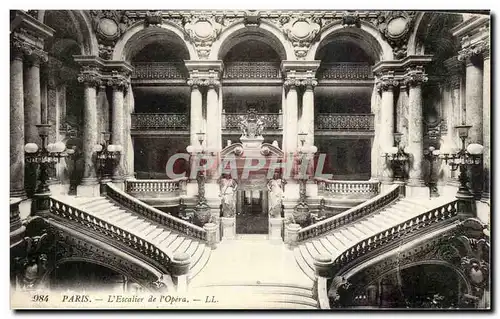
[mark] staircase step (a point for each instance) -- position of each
(176, 243)
(197, 254)
(153, 234)
(307, 256)
(164, 234)
(125, 220)
(329, 247)
(185, 244)
(320, 248)
(169, 240)
(350, 234)
(299, 258)
(143, 226)
(133, 225)
(192, 248)
(202, 261)
(89, 203)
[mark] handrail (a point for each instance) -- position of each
(115, 232)
(154, 214)
(347, 187)
(443, 212)
(156, 185)
(350, 215)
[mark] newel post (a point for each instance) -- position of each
(179, 269)
(211, 230)
(291, 234)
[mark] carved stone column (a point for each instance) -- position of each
(473, 95)
(32, 99)
(486, 121)
(414, 78)
(91, 80)
(375, 151)
(213, 116)
(307, 120)
(119, 84)
(128, 137)
(196, 114)
(386, 85)
(16, 122)
(291, 116)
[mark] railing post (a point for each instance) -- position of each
(291, 234)
(211, 230)
(323, 270)
(179, 269)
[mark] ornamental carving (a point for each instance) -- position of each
(202, 31)
(479, 48)
(154, 18)
(351, 19)
(298, 82)
(386, 81)
(210, 82)
(415, 76)
(21, 48)
(395, 27)
(118, 81)
(302, 31)
(109, 25)
(90, 76)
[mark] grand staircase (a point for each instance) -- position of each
(167, 239)
(339, 240)
(258, 296)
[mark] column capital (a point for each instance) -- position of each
(415, 76)
(468, 53)
(90, 77)
(117, 81)
(386, 81)
(204, 82)
(22, 49)
(308, 83)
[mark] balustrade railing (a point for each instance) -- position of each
(344, 122)
(334, 188)
(370, 206)
(154, 214)
(273, 121)
(111, 231)
(252, 70)
(159, 70)
(160, 121)
(345, 71)
(395, 233)
(162, 187)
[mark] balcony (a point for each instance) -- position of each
(252, 70)
(344, 122)
(152, 72)
(160, 121)
(272, 121)
(345, 71)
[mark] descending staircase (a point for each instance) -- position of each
(168, 240)
(337, 241)
(258, 296)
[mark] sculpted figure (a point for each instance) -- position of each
(228, 188)
(275, 187)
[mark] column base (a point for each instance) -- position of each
(88, 190)
(120, 184)
(275, 228)
(417, 189)
(59, 188)
(228, 228)
(21, 193)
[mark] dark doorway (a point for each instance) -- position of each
(251, 213)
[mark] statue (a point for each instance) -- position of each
(275, 187)
(228, 188)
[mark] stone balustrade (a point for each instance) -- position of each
(95, 224)
(154, 214)
(272, 121)
(344, 122)
(159, 70)
(359, 251)
(350, 215)
(156, 187)
(252, 70)
(345, 71)
(160, 121)
(347, 189)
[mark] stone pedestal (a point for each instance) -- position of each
(211, 230)
(120, 184)
(323, 266)
(179, 270)
(91, 190)
(291, 234)
(275, 227)
(228, 228)
(413, 191)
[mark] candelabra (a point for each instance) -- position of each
(462, 159)
(44, 157)
(398, 158)
(431, 154)
(301, 212)
(107, 157)
(202, 210)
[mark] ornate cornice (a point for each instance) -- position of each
(415, 76)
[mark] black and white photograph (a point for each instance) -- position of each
(250, 159)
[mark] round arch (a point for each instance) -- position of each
(138, 36)
(46, 276)
(367, 37)
(237, 33)
(84, 31)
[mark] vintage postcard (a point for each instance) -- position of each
(250, 159)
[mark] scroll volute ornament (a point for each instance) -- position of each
(302, 32)
(395, 27)
(202, 31)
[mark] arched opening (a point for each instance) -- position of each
(160, 100)
(81, 276)
(61, 93)
(343, 102)
(429, 286)
(252, 81)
